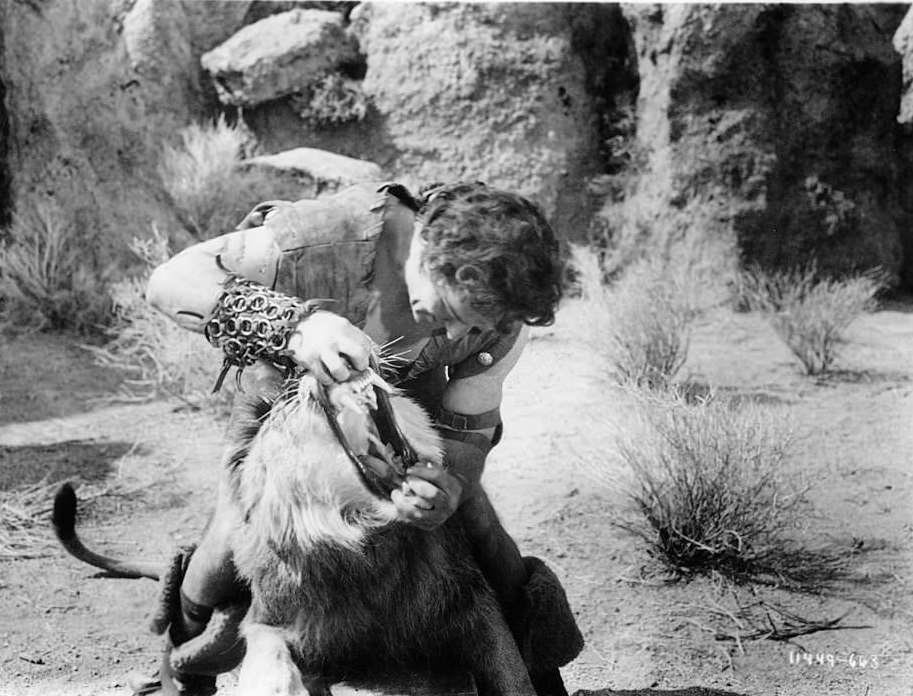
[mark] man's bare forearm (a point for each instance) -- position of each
(187, 287)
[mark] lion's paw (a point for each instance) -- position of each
(268, 668)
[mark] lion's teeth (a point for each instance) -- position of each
(377, 380)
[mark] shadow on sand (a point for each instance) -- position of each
(87, 460)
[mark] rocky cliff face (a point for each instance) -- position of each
(509, 94)
(92, 90)
(776, 122)
(497, 93)
(767, 129)
(903, 44)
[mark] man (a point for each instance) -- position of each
(448, 283)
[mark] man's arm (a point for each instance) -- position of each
(472, 403)
(188, 287)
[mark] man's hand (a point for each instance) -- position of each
(330, 347)
(428, 497)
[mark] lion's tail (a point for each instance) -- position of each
(64, 521)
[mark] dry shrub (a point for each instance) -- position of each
(808, 312)
(652, 278)
(332, 100)
(156, 356)
(715, 491)
(210, 192)
(25, 511)
(45, 280)
(641, 321)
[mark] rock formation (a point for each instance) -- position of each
(92, 91)
(774, 124)
(491, 92)
(315, 171)
(903, 44)
(767, 129)
(278, 56)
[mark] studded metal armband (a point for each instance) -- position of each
(252, 322)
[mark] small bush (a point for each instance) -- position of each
(210, 192)
(712, 485)
(45, 281)
(332, 100)
(809, 313)
(835, 210)
(641, 321)
(156, 356)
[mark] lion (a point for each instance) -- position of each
(340, 590)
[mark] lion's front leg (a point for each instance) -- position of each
(268, 668)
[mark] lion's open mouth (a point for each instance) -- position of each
(357, 393)
(379, 462)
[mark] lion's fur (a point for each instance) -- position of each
(297, 487)
(333, 578)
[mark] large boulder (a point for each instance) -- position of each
(280, 55)
(494, 92)
(769, 128)
(315, 171)
(771, 125)
(90, 104)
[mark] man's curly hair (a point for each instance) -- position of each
(496, 245)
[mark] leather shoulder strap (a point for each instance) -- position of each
(486, 352)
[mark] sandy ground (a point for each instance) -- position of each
(555, 480)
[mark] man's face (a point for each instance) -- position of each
(438, 302)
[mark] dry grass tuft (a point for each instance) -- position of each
(641, 322)
(713, 491)
(810, 314)
(45, 281)
(25, 513)
(210, 192)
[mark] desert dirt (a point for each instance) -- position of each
(150, 471)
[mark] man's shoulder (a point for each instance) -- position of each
(329, 245)
(475, 353)
(487, 351)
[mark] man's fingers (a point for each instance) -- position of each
(405, 506)
(408, 511)
(434, 474)
(335, 366)
(424, 490)
(357, 352)
(439, 477)
(319, 372)
(308, 359)
(295, 345)
(327, 338)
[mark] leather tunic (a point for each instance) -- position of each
(353, 252)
